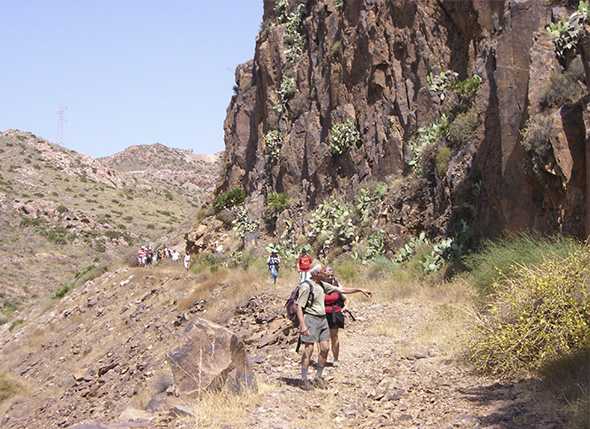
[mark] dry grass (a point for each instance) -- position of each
(386, 328)
(224, 409)
(442, 316)
(9, 387)
(224, 290)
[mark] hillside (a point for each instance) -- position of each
(66, 216)
(432, 152)
(161, 167)
(100, 358)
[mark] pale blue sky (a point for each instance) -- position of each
(129, 71)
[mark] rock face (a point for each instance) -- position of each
(212, 358)
(369, 61)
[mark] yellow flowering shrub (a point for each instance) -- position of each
(536, 315)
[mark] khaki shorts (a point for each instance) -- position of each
(318, 329)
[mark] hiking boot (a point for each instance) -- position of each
(335, 364)
(306, 386)
(320, 383)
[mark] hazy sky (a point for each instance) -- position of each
(128, 71)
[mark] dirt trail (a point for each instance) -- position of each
(393, 373)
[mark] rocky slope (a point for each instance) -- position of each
(158, 166)
(449, 85)
(66, 215)
(102, 355)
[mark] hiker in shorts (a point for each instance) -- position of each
(304, 263)
(274, 262)
(335, 303)
(313, 324)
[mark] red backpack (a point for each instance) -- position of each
(334, 302)
(291, 304)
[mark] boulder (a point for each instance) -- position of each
(211, 358)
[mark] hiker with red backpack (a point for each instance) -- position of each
(304, 263)
(306, 309)
(335, 304)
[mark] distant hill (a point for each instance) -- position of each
(66, 214)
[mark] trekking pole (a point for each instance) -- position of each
(351, 315)
(298, 344)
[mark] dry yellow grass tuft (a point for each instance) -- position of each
(8, 387)
(224, 409)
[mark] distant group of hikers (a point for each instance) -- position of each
(316, 306)
(147, 256)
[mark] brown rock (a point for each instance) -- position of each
(211, 358)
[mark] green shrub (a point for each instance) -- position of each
(498, 259)
(425, 138)
(539, 314)
(226, 200)
(331, 223)
(273, 142)
(86, 274)
(536, 140)
(242, 224)
(467, 88)
(375, 245)
(293, 38)
(57, 235)
(567, 33)
(343, 136)
(281, 10)
(277, 201)
(8, 308)
(15, 324)
(463, 129)
(441, 161)
(61, 209)
(420, 256)
(368, 200)
(441, 82)
(26, 221)
(561, 89)
(286, 91)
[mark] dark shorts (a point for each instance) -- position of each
(335, 320)
(318, 329)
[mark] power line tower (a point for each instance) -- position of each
(61, 121)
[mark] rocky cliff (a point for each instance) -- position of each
(460, 106)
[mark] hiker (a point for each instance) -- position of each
(335, 303)
(304, 263)
(313, 324)
(175, 256)
(274, 262)
(141, 257)
(187, 261)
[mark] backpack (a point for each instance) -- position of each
(334, 302)
(291, 304)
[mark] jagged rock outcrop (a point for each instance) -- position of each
(211, 358)
(368, 62)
